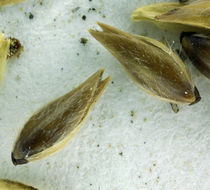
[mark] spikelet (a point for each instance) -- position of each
(51, 128)
(153, 66)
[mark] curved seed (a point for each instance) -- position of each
(6, 2)
(195, 14)
(51, 128)
(197, 47)
(11, 185)
(152, 65)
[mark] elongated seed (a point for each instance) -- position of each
(153, 66)
(55, 124)
(12, 185)
(197, 47)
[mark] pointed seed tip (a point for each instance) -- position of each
(18, 161)
(197, 96)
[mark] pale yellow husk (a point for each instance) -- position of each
(195, 14)
(7, 2)
(12, 185)
(4, 48)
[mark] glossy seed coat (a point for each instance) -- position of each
(197, 47)
(153, 66)
(12, 185)
(194, 14)
(55, 124)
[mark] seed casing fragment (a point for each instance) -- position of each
(194, 14)
(12, 185)
(4, 49)
(153, 66)
(197, 47)
(7, 2)
(55, 124)
(9, 48)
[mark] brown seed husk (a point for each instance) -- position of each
(51, 128)
(194, 14)
(12, 185)
(153, 66)
(7, 2)
(197, 47)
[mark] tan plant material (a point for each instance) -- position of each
(9, 47)
(194, 14)
(12, 185)
(197, 47)
(4, 49)
(54, 125)
(153, 66)
(7, 2)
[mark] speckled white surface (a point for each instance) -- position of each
(154, 149)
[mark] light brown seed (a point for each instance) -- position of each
(12, 185)
(51, 128)
(153, 66)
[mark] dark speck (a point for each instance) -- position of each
(121, 154)
(77, 54)
(83, 41)
(98, 145)
(112, 82)
(84, 17)
(31, 16)
(145, 142)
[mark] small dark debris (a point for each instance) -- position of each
(132, 113)
(90, 0)
(83, 41)
(121, 153)
(31, 16)
(84, 17)
(77, 167)
(98, 52)
(91, 184)
(16, 96)
(62, 69)
(112, 82)
(77, 54)
(131, 121)
(98, 145)
(145, 142)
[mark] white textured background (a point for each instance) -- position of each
(154, 149)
